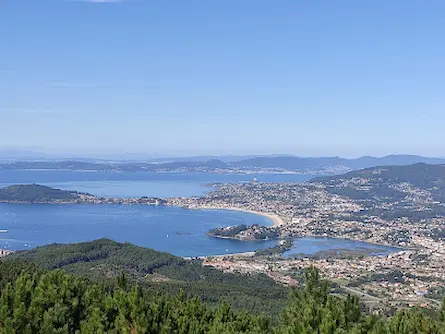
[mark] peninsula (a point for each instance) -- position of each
(39, 194)
(35, 193)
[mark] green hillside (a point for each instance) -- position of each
(34, 193)
(416, 192)
(104, 260)
(41, 302)
(385, 181)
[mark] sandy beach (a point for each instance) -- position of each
(276, 220)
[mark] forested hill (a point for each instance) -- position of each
(105, 260)
(115, 256)
(41, 302)
(390, 182)
(34, 193)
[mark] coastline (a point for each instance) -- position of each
(206, 257)
(276, 219)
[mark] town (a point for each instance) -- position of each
(413, 275)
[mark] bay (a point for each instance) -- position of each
(175, 230)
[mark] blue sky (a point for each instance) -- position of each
(193, 77)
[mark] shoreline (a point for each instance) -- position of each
(205, 257)
(276, 219)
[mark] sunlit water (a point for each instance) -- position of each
(175, 230)
(125, 184)
(170, 229)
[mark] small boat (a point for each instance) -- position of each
(3, 231)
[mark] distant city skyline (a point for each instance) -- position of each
(171, 78)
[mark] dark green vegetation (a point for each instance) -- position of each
(37, 301)
(104, 260)
(244, 232)
(34, 193)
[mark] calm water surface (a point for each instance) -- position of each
(175, 230)
(126, 184)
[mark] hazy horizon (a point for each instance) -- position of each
(128, 155)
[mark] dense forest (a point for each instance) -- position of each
(35, 301)
(104, 260)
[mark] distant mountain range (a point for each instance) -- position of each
(298, 163)
(227, 164)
